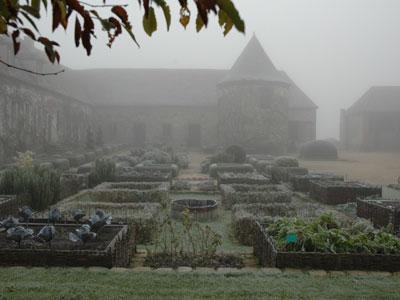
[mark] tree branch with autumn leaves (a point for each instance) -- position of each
(18, 19)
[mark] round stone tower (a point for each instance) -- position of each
(252, 103)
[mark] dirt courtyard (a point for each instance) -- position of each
(378, 168)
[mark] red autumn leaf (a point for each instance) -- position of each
(78, 32)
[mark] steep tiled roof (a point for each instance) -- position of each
(378, 98)
(254, 65)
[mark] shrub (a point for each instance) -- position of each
(246, 194)
(42, 186)
(319, 150)
(286, 161)
(104, 170)
(328, 235)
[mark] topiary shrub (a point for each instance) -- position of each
(286, 161)
(238, 153)
(319, 150)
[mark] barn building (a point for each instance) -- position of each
(373, 122)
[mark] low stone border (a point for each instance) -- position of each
(266, 271)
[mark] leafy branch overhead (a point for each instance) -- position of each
(19, 17)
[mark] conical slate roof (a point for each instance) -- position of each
(254, 65)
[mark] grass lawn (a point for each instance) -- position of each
(57, 283)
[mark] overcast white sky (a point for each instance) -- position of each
(333, 49)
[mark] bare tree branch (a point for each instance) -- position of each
(30, 71)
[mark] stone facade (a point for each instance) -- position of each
(191, 108)
(34, 117)
(187, 126)
(254, 115)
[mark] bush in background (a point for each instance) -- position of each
(319, 150)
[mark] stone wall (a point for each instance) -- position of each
(254, 115)
(159, 124)
(36, 118)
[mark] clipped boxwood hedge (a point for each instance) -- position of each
(245, 194)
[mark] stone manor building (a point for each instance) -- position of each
(252, 104)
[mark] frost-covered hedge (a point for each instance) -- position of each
(245, 194)
(242, 178)
(283, 174)
(142, 175)
(286, 161)
(232, 168)
(244, 217)
(163, 168)
(301, 183)
(131, 192)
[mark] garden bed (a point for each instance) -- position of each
(199, 209)
(380, 212)
(242, 178)
(244, 194)
(265, 250)
(337, 192)
(283, 174)
(71, 183)
(162, 168)
(245, 216)
(391, 192)
(230, 168)
(113, 247)
(301, 183)
(135, 175)
(143, 216)
(9, 204)
(131, 192)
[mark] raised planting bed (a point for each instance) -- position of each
(229, 167)
(242, 178)
(301, 183)
(337, 192)
(199, 209)
(163, 168)
(136, 175)
(9, 204)
(245, 194)
(380, 212)
(272, 251)
(143, 216)
(244, 217)
(113, 247)
(392, 191)
(71, 183)
(121, 192)
(283, 174)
